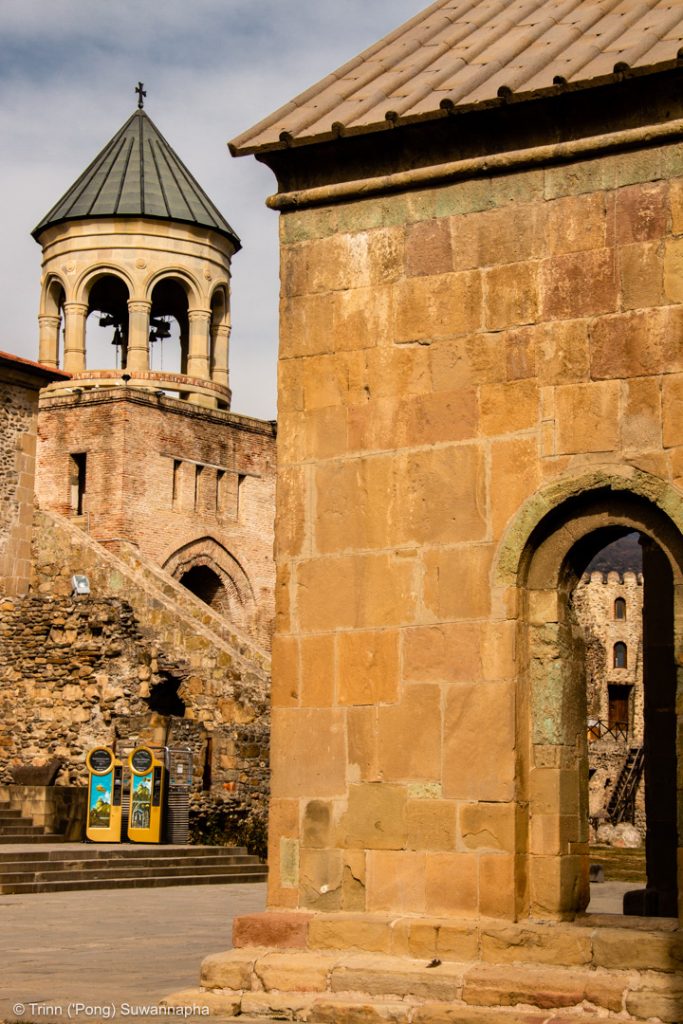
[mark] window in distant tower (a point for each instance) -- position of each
(620, 657)
(620, 608)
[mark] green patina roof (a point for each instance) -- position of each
(138, 174)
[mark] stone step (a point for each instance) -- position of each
(335, 986)
(19, 838)
(620, 864)
(21, 827)
(29, 863)
(115, 871)
(241, 878)
(125, 851)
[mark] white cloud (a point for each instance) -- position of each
(211, 69)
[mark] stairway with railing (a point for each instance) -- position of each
(620, 805)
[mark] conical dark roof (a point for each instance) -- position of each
(138, 174)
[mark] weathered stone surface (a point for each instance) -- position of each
(232, 969)
(408, 744)
(281, 930)
(375, 817)
(300, 972)
(368, 667)
(400, 977)
(478, 761)
(350, 931)
(396, 881)
(550, 988)
(308, 752)
(645, 951)
(445, 1013)
(587, 419)
(281, 1005)
(528, 943)
(359, 1011)
(218, 1003)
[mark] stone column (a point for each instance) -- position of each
(75, 314)
(48, 345)
(198, 356)
(138, 335)
(220, 343)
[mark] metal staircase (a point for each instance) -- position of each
(621, 801)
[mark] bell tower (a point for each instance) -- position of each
(139, 446)
(137, 246)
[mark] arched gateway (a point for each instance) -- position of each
(545, 553)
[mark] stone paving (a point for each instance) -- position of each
(111, 948)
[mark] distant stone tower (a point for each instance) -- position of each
(144, 455)
(137, 241)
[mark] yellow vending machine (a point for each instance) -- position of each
(147, 783)
(105, 785)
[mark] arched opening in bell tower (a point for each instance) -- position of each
(169, 327)
(106, 341)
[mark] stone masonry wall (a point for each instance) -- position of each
(185, 484)
(445, 353)
(18, 408)
(112, 667)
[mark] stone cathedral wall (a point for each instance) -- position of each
(446, 353)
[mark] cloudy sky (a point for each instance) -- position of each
(211, 69)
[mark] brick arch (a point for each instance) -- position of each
(235, 597)
(544, 559)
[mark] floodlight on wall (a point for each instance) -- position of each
(80, 586)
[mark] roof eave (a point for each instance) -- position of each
(287, 142)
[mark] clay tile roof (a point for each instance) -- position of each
(459, 53)
(138, 174)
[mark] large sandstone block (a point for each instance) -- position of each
(308, 752)
(368, 667)
(317, 661)
(430, 825)
(386, 976)
(478, 759)
(508, 408)
(453, 582)
(551, 988)
(511, 295)
(578, 284)
(287, 972)
(577, 223)
(530, 943)
(357, 1011)
(437, 306)
(283, 930)
(409, 744)
(442, 495)
(487, 826)
(350, 931)
(562, 352)
(375, 817)
(452, 884)
(428, 653)
(232, 969)
(637, 344)
(355, 591)
(396, 881)
(587, 417)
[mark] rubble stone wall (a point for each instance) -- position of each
(126, 664)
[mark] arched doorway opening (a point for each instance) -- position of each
(207, 585)
(553, 763)
(107, 324)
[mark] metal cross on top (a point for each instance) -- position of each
(141, 94)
